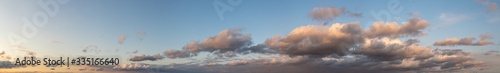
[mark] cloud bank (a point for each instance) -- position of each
(341, 47)
(467, 41)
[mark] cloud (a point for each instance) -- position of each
(468, 41)
(492, 7)
(177, 54)
(491, 52)
(2, 53)
(448, 18)
(339, 38)
(227, 41)
(146, 57)
(392, 49)
(412, 41)
(440, 61)
(317, 40)
(9, 65)
(122, 39)
(3, 56)
(132, 66)
(91, 48)
(341, 47)
(326, 14)
(412, 27)
(485, 36)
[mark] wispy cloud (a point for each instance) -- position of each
(121, 39)
(143, 57)
(491, 6)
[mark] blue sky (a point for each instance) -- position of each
(171, 24)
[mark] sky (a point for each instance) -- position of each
(254, 36)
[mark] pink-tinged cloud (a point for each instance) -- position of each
(467, 41)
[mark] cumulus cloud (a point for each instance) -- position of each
(377, 48)
(227, 41)
(442, 60)
(339, 38)
(324, 49)
(491, 5)
(412, 27)
(328, 14)
(468, 41)
(90, 48)
(393, 49)
(143, 57)
(317, 40)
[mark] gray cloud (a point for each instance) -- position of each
(91, 48)
(468, 41)
(227, 41)
(146, 57)
(412, 41)
(392, 49)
